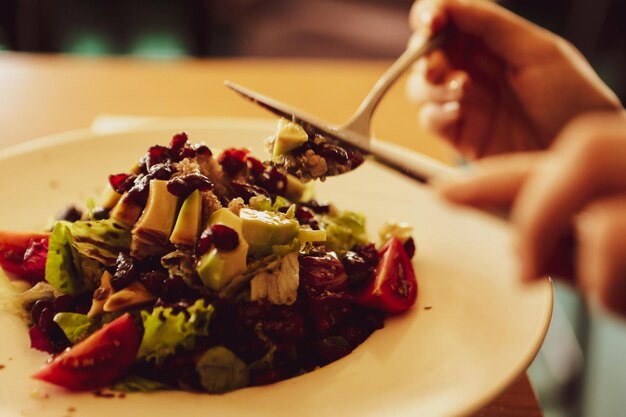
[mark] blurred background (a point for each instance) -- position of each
(166, 29)
(581, 369)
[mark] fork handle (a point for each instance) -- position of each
(360, 121)
(416, 166)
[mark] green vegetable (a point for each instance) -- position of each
(61, 271)
(78, 250)
(74, 325)
(283, 250)
(136, 383)
(100, 240)
(345, 230)
(164, 331)
(220, 370)
(263, 203)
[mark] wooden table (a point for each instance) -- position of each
(42, 95)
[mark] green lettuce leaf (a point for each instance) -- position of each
(75, 326)
(136, 383)
(61, 269)
(100, 240)
(344, 230)
(79, 251)
(164, 331)
(220, 370)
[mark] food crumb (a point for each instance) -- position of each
(71, 409)
(103, 394)
(54, 184)
(428, 307)
(2, 366)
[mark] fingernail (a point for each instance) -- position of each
(427, 17)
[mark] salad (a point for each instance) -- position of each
(202, 272)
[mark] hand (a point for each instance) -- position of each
(579, 185)
(499, 83)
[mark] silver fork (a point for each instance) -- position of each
(356, 131)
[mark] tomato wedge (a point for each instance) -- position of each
(394, 288)
(96, 361)
(13, 246)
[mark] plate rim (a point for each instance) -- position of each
(173, 123)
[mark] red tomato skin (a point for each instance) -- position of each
(386, 293)
(97, 361)
(13, 245)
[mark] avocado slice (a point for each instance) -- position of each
(126, 211)
(217, 268)
(188, 222)
(289, 136)
(152, 230)
(310, 235)
(110, 198)
(264, 229)
(295, 188)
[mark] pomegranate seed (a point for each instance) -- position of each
(224, 238)
(178, 142)
(205, 241)
(233, 160)
(255, 167)
(156, 154)
(121, 182)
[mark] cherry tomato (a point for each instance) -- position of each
(394, 288)
(13, 246)
(96, 361)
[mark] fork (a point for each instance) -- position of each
(356, 132)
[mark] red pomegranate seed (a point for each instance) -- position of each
(157, 154)
(178, 142)
(255, 166)
(224, 238)
(233, 160)
(205, 241)
(118, 181)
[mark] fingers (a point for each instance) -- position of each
(582, 167)
(493, 181)
(507, 35)
(438, 93)
(601, 262)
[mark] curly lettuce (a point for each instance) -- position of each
(166, 331)
(344, 230)
(79, 251)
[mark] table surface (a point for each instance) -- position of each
(43, 95)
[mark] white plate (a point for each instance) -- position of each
(482, 331)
